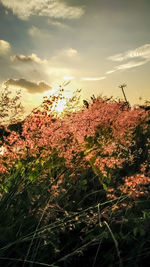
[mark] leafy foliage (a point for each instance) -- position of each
(75, 188)
(11, 108)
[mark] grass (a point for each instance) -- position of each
(56, 214)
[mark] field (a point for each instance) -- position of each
(75, 188)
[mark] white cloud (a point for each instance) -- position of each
(51, 8)
(27, 59)
(129, 65)
(4, 47)
(36, 32)
(71, 52)
(140, 52)
(110, 71)
(57, 72)
(57, 24)
(93, 78)
(53, 69)
(141, 56)
(65, 57)
(63, 54)
(31, 87)
(50, 70)
(69, 78)
(117, 57)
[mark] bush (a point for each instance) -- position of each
(75, 189)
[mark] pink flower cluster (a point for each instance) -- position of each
(136, 185)
(99, 136)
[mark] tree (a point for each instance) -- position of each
(11, 108)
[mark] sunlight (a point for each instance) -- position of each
(64, 95)
(60, 105)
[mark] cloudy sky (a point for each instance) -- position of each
(96, 44)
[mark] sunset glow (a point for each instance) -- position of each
(60, 105)
(74, 133)
(45, 44)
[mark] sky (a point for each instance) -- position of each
(95, 44)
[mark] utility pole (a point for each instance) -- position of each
(122, 86)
